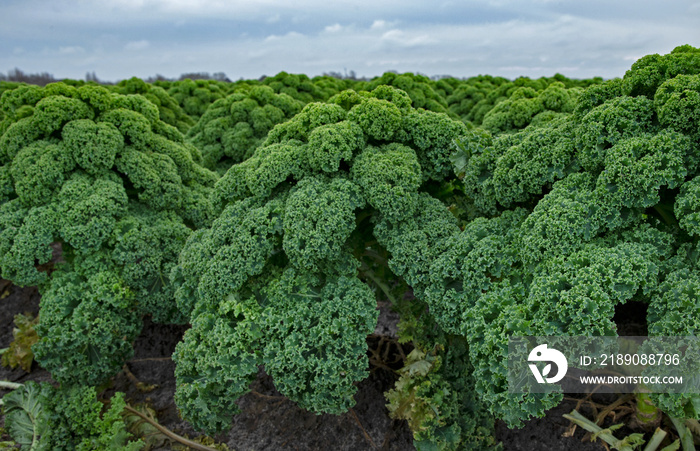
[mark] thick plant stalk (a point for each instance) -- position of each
(647, 413)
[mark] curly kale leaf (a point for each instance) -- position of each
(605, 125)
(568, 216)
(26, 235)
(416, 243)
(195, 96)
(517, 168)
(53, 112)
(586, 284)
(649, 72)
(82, 153)
(318, 219)
(526, 105)
(93, 146)
(146, 246)
(389, 177)
(88, 210)
(310, 117)
(677, 103)
(216, 262)
(315, 332)
(234, 126)
(484, 253)
(209, 383)
(432, 135)
(39, 170)
(169, 111)
(422, 92)
(531, 161)
(674, 310)
(589, 283)
(687, 206)
(636, 169)
(379, 119)
(497, 315)
(296, 86)
(87, 325)
(331, 144)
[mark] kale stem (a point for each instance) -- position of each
(647, 412)
(668, 218)
(369, 252)
(367, 272)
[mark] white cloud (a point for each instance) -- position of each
(403, 39)
(288, 36)
(137, 45)
(381, 24)
(333, 28)
(70, 50)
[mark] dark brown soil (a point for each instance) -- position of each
(269, 421)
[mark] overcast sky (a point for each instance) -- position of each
(118, 39)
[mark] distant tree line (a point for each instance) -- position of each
(345, 76)
(16, 74)
(218, 76)
(45, 78)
